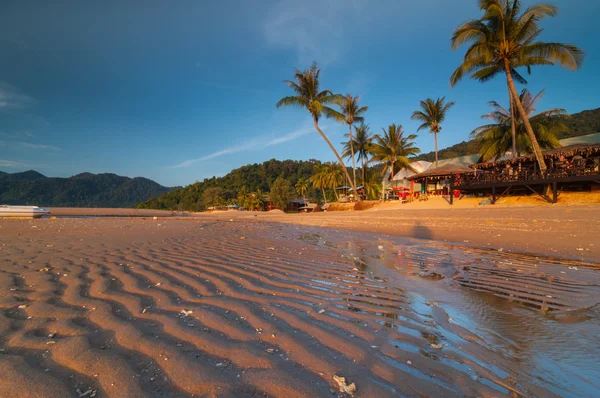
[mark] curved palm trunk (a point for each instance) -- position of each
(324, 197)
(353, 165)
(534, 143)
(337, 155)
(436, 148)
(513, 124)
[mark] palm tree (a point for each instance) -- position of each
(496, 138)
(302, 187)
(360, 144)
(319, 179)
(504, 39)
(351, 112)
(432, 114)
(393, 149)
(333, 176)
(372, 185)
(306, 87)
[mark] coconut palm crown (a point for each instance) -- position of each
(360, 143)
(496, 138)
(350, 113)
(393, 149)
(432, 114)
(308, 95)
(504, 39)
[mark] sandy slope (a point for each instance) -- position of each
(95, 305)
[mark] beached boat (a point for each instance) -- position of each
(23, 211)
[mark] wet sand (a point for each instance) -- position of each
(211, 307)
(558, 231)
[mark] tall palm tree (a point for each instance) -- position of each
(302, 187)
(393, 149)
(504, 39)
(308, 96)
(432, 114)
(350, 113)
(360, 143)
(496, 138)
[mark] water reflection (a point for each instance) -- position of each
(541, 326)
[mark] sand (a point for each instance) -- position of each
(243, 306)
(107, 212)
(563, 231)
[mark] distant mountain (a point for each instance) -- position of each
(81, 190)
(582, 123)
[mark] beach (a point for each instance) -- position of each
(564, 231)
(226, 305)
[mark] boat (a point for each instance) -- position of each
(23, 211)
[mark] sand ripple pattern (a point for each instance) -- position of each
(143, 308)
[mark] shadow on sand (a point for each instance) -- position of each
(420, 231)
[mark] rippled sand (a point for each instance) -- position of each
(133, 307)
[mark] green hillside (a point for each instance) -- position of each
(254, 177)
(82, 190)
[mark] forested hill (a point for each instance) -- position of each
(254, 177)
(582, 123)
(82, 190)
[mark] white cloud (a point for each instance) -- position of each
(30, 145)
(289, 137)
(13, 98)
(226, 151)
(39, 146)
(13, 163)
(317, 30)
(257, 143)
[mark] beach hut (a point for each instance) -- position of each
(400, 179)
(444, 177)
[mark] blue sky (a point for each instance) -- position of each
(181, 91)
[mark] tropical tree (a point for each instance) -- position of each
(281, 194)
(372, 184)
(308, 96)
(496, 138)
(302, 187)
(213, 196)
(327, 175)
(393, 149)
(350, 113)
(333, 177)
(504, 39)
(319, 179)
(359, 144)
(432, 114)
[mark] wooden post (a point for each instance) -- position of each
(451, 190)
(554, 192)
(493, 194)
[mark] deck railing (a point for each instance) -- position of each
(557, 171)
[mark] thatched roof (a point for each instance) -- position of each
(566, 151)
(442, 171)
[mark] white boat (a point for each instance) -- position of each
(23, 211)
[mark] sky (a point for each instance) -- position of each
(182, 91)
